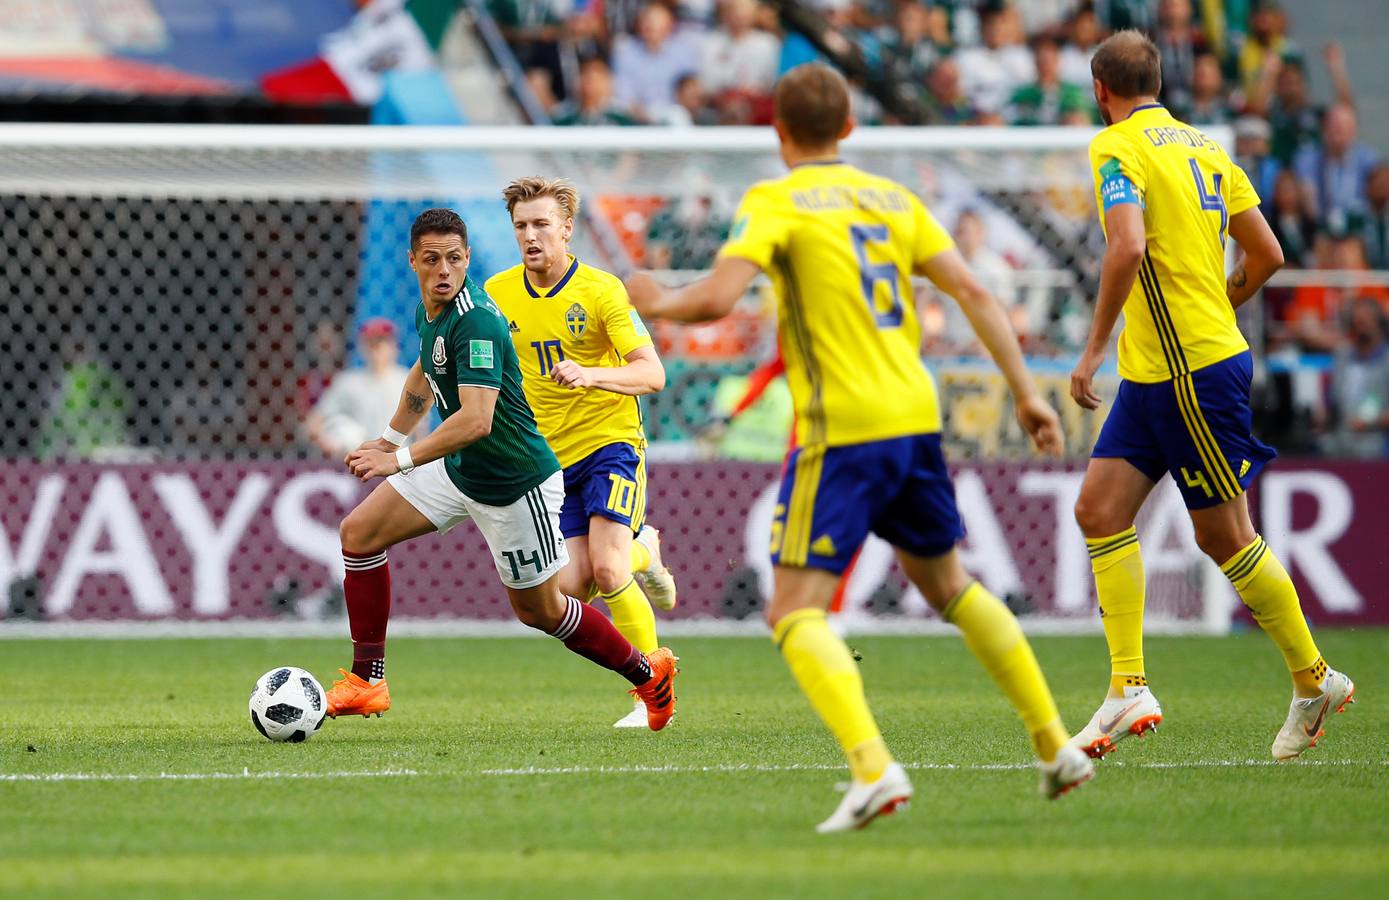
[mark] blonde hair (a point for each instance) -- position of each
(533, 187)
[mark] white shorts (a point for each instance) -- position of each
(524, 537)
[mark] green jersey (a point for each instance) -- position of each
(469, 345)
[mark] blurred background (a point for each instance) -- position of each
(205, 208)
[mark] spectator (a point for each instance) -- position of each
(1263, 45)
(542, 86)
(1083, 35)
(685, 234)
(1049, 100)
(1208, 102)
(1252, 140)
(1037, 16)
(359, 403)
(86, 413)
(946, 99)
(1315, 309)
(1375, 227)
(1360, 384)
(1336, 173)
(533, 29)
(325, 354)
(1295, 119)
(911, 46)
(738, 56)
(646, 67)
(993, 271)
(692, 106)
(594, 104)
(990, 73)
(1294, 227)
(1178, 43)
(1120, 14)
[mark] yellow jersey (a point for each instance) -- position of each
(1177, 317)
(585, 317)
(840, 246)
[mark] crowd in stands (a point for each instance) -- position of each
(1007, 62)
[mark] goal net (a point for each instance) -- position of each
(180, 299)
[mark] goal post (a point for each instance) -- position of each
(180, 296)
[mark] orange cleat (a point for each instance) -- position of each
(355, 696)
(659, 692)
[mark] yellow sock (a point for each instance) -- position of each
(641, 557)
(1264, 586)
(1118, 566)
(828, 676)
(993, 635)
(632, 616)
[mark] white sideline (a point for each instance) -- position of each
(243, 775)
(248, 775)
(752, 626)
(953, 767)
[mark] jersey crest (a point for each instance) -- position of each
(576, 320)
(440, 353)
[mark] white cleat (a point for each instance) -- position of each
(634, 719)
(1069, 770)
(865, 801)
(1137, 712)
(655, 580)
(1305, 717)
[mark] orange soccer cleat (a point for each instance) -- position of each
(659, 691)
(355, 696)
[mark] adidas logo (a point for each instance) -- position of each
(515, 329)
(823, 546)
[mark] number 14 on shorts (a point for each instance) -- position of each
(518, 558)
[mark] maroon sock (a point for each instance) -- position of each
(367, 589)
(588, 633)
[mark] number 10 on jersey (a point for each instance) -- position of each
(544, 357)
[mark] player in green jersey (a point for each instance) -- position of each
(485, 462)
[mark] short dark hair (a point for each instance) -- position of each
(812, 102)
(1128, 64)
(438, 221)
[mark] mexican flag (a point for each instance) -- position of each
(384, 36)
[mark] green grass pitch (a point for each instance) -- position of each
(721, 804)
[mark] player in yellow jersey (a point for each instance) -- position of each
(841, 246)
(1168, 196)
(585, 359)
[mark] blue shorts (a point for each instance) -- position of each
(1195, 426)
(831, 498)
(609, 482)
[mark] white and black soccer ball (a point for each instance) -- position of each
(287, 704)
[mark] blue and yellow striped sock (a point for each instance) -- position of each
(1117, 562)
(1264, 586)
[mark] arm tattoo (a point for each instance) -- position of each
(1239, 278)
(415, 402)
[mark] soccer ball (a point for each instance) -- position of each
(287, 704)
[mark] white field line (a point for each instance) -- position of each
(951, 767)
(248, 775)
(243, 775)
